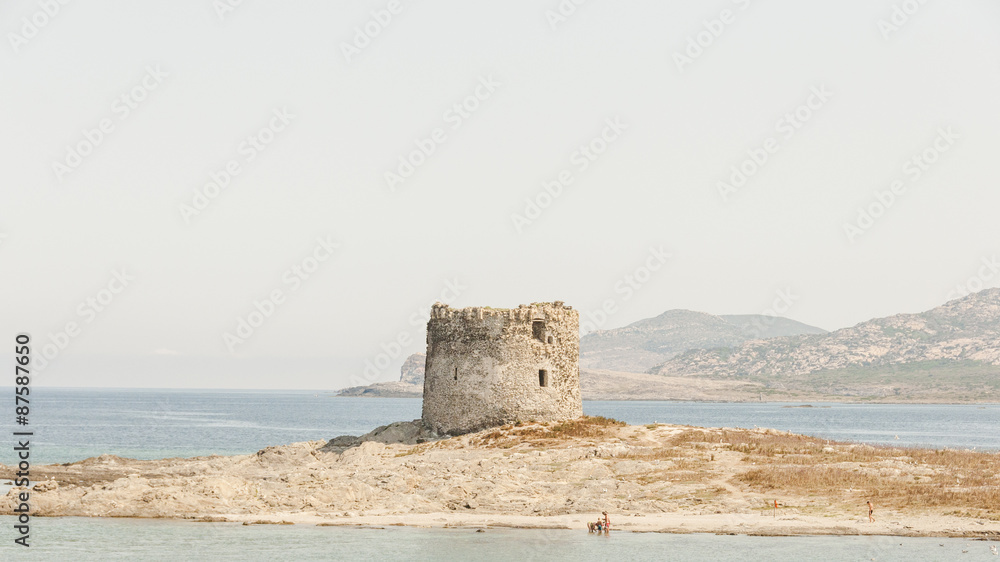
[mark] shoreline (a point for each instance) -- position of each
(676, 524)
(717, 524)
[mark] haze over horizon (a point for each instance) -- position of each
(280, 161)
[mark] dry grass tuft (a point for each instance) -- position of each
(897, 477)
(768, 444)
(689, 436)
(587, 427)
(859, 485)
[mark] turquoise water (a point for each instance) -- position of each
(72, 424)
(73, 538)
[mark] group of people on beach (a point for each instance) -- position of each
(601, 525)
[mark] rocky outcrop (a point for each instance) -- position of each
(406, 433)
(410, 385)
(412, 371)
(385, 390)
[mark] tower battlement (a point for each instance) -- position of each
(522, 312)
(491, 366)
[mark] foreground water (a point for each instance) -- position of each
(72, 424)
(78, 539)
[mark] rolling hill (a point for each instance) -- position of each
(952, 351)
(644, 344)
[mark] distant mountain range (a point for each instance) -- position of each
(959, 342)
(950, 353)
(644, 344)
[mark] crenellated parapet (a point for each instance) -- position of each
(521, 313)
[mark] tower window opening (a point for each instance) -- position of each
(538, 330)
(456, 373)
(543, 378)
(551, 339)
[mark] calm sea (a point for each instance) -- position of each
(73, 424)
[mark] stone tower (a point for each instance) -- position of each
(487, 367)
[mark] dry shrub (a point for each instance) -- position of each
(654, 454)
(979, 492)
(587, 427)
(683, 471)
(964, 480)
(811, 479)
(950, 459)
(810, 451)
(688, 436)
(771, 444)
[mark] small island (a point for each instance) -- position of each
(502, 442)
(655, 478)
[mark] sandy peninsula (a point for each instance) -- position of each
(654, 478)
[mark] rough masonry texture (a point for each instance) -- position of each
(488, 367)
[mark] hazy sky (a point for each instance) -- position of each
(117, 116)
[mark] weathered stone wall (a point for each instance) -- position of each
(483, 366)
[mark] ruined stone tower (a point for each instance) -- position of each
(487, 367)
